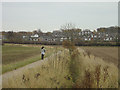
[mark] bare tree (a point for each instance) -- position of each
(68, 30)
(68, 26)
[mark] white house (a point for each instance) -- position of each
(35, 36)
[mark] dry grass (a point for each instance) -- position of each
(97, 73)
(109, 54)
(92, 72)
(53, 73)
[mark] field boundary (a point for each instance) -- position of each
(28, 66)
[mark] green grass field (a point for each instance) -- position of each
(15, 56)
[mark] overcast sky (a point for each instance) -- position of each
(49, 16)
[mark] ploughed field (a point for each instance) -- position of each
(109, 54)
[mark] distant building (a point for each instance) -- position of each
(102, 34)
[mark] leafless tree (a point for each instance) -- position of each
(68, 26)
(68, 31)
(71, 32)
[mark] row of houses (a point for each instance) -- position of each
(85, 35)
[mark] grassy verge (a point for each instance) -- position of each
(13, 66)
(12, 54)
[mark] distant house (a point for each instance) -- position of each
(102, 34)
(108, 39)
(57, 34)
(85, 39)
(63, 38)
(34, 37)
(86, 32)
